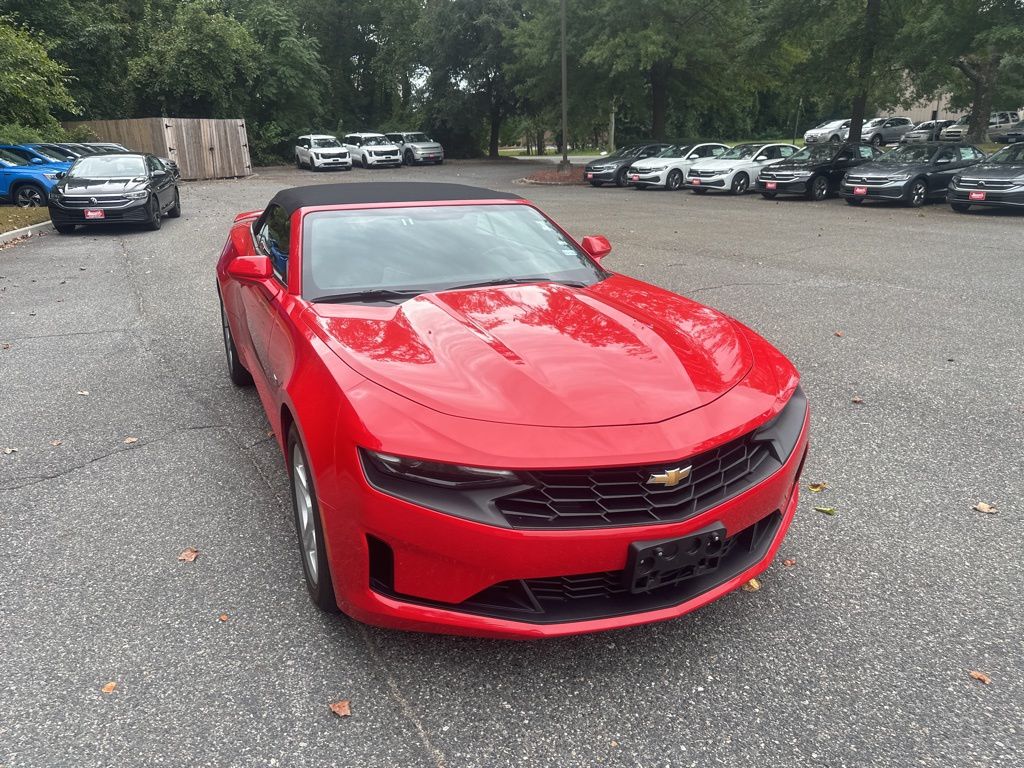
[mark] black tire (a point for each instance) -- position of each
(960, 207)
(155, 220)
(699, 190)
(740, 183)
(597, 183)
(834, 138)
(365, 165)
(620, 178)
(64, 229)
(817, 188)
(407, 158)
(298, 160)
(237, 372)
(308, 527)
(674, 180)
(440, 162)
(917, 193)
(175, 210)
(853, 200)
(876, 140)
(769, 195)
(29, 196)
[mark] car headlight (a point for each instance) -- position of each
(899, 176)
(801, 174)
(654, 169)
(142, 193)
(726, 172)
(955, 180)
(437, 473)
(50, 176)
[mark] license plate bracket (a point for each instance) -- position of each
(653, 564)
(95, 213)
(976, 196)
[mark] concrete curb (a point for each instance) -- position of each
(25, 232)
(548, 183)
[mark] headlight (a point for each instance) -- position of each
(142, 193)
(899, 176)
(655, 169)
(801, 174)
(955, 180)
(726, 172)
(438, 473)
(50, 176)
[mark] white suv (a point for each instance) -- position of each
(417, 148)
(321, 151)
(735, 169)
(371, 150)
(668, 168)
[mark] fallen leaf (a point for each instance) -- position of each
(7, 346)
(988, 509)
(270, 433)
(981, 677)
(817, 487)
(857, 399)
(9, 451)
(83, 392)
(130, 440)
(789, 562)
(109, 687)
(840, 334)
(55, 443)
(223, 617)
(752, 586)
(615, 743)
(188, 555)
(826, 510)
(341, 708)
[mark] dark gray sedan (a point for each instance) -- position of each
(913, 173)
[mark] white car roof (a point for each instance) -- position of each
(317, 136)
(365, 135)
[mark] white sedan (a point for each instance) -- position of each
(735, 169)
(668, 168)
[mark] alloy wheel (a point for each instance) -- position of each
(820, 188)
(675, 180)
(918, 192)
(304, 512)
(740, 184)
(29, 197)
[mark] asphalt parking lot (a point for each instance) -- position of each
(857, 655)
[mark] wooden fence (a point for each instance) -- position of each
(203, 149)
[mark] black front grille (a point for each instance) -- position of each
(596, 595)
(991, 184)
(96, 202)
(626, 496)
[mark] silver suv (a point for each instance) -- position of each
(417, 148)
(883, 130)
(958, 131)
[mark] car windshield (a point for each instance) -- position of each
(920, 153)
(421, 249)
(1011, 155)
(923, 126)
(64, 154)
(416, 138)
(876, 121)
(622, 152)
(49, 154)
(375, 141)
(676, 150)
(9, 158)
(740, 151)
(814, 153)
(328, 142)
(108, 167)
(828, 124)
(963, 120)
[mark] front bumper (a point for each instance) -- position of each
(128, 212)
(714, 182)
(783, 187)
(1001, 198)
(892, 190)
(389, 161)
(407, 567)
(602, 175)
(331, 161)
(647, 178)
(427, 157)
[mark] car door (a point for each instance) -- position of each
(261, 299)
(302, 149)
(945, 164)
(160, 182)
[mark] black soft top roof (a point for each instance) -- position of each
(381, 192)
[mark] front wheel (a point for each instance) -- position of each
(620, 178)
(740, 183)
(155, 220)
(30, 196)
(674, 180)
(876, 140)
(308, 526)
(834, 138)
(918, 193)
(175, 211)
(239, 376)
(960, 207)
(817, 188)
(407, 158)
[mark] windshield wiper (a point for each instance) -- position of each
(517, 281)
(374, 294)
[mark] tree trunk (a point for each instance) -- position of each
(982, 75)
(872, 16)
(659, 99)
(611, 128)
(492, 147)
(541, 143)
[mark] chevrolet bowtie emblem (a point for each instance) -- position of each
(671, 477)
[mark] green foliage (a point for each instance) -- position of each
(31, 83)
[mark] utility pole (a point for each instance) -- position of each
(563, 166)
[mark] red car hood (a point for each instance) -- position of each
(616, 353)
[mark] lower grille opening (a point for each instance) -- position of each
(604, 594)
(382, 564)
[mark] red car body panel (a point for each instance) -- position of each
(524, 377)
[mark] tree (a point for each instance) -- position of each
(31, 83)
(973, 51)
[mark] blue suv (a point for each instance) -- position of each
(24, 183)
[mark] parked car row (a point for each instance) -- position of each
(914, 172)
(893, 130)
(368, 150)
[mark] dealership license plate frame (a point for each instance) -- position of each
(95, 214)
(976, 196)
(860, 190)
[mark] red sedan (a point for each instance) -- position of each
(487, 432)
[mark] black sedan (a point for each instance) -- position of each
(997, 183)
(816, 171)
(913, 173)
(613, 167)
(115, 189)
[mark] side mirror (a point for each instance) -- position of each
(760, 159)
(943, 161)
(60, 174)
(158, 174)
(36, 161)
(597, 246)
(250, 268)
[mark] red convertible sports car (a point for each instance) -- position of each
(487, 432)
